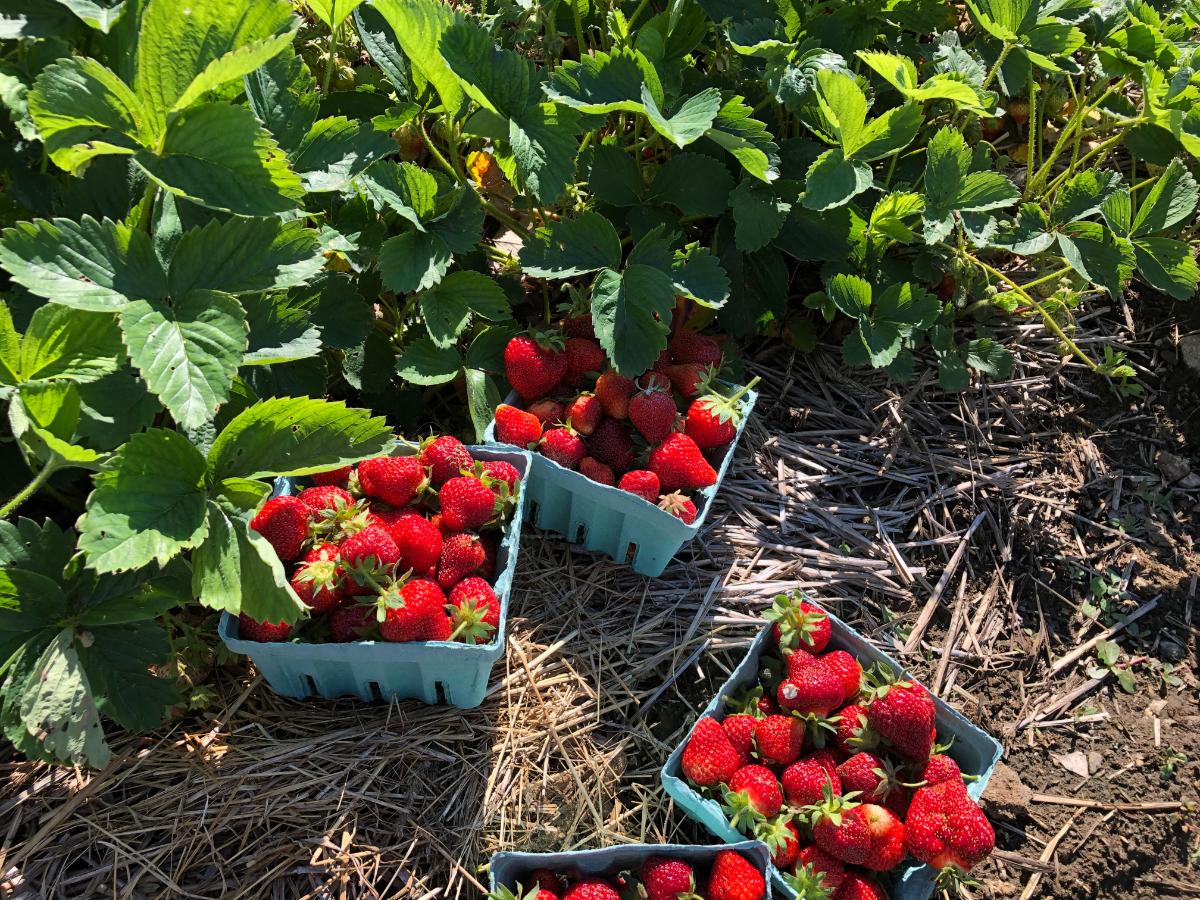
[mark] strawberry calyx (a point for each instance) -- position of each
(830, 807)
(726, 408)
(390, 593)
(774, 833)
(878, 681)
(548, 338)
(796, 624)
(503, 892)
(467, 622)
(818, 729)
(808, 882)
(952, 879)
(322, 574)
(743, 814)
(340, 521)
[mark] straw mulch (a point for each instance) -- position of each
(916, 515)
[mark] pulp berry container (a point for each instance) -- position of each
(507, 869)
(446, 672)
(609, 520)
(975, 751)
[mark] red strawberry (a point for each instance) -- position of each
(545, 879)
(740, 731)
(462, 554)
(477, 613)
(367, 556)
(753, 795)
(664, 360)
(548, 412)
(579, 326)
(338, 477)
(689, 347)
(583, 355)
(779, 739)
(283, 521)
(445, 457)
(689, 379)
(902, 713)
(848, 670)
(263, 632)
(873, 778)
(597, 471)
(732, 877)
(614, 392)
(534, 364)
(938, 769)
(709, 758)
(667, 879)
(585, 413)
(491, 544)
(805, 781)
(350, 623)
(318, 580)
(815, 690)
(853, 732)
(864, 834)
(393, 479)
(641, 482)
(611, 444)
(680, 506)
(712, 421)
(799, 624)
(817, 873)
(782, 838)
(325, 498)
(419, 542)
(498, 470)
(414, 611)
(797, 660)
(945, 827)
(859, 887)
(592, 889)
(563, 446)
(680, 466)
(827, 758)
(467, 503)
(652, 412)
(516, 426)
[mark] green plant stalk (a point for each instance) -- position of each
(496, 213)
(637, 12)
(329, 63)
(579, 39)
(1071, 130)
(1035, 130)
(143, 213)
(29, 490)
(1103, 147)
(1004, 51)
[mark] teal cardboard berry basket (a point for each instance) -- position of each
(509, 868)
(608, 520)
(437, 672)
(975, 751)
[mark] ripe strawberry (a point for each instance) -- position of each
(815, 690)
(325, 498)
(318, 580)
(848, 670)
(688, 346)
(873, 778)
(414, 611)
(545, 879)
(611, 444)
(283, 521)
(517, 427)
(859, 887)
(664, 360)
(779, 739)
(680, 506)
(614, 392)
(938, 769)
(740, 731)
(563, 446)
(477, 611)
(797, 660)
(713, 420)
(462, 554)
(264, 632)
(799, 624)
(535, 363)
(350, 623)
(732, 877)
(444, 457)
(584, 413)
(583, 355)
(467, 503)
(709, 758)
(827, 758)
(902, 713)
(419, 542)
(579, 326)
(491, 545)
(864, 834)
(945, 827)
(805, 782)
(337, 477)
(680, 466)
(592, 889)
(667, 879)
(753, 795)
(395, 480)
(652, 412)
(853, 733)
(782, 838)
(367, 556)
(689, 379)
(597, 471)
(498, 470)
(548, 412)
(817, 873)
(641, 482)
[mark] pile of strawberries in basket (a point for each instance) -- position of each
(730, 877)
(401, 548)
(625, 432)
(837, 769)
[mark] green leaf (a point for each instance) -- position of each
(569, 247)
(448, 307)
(889, 133)
(758, 215)
(280, 331)
(408, 190)
(71, 344)
(907, 306)
(117, 661)
(1168, 265)
(43, 418)
(631, 312)
(614, 177)
(1083, 195)
(838, 112)
(89, 265)
(1005, 20)
(698, 275)
(337, 150)
(83, 110)
(599, 83)
(461, 226)
(414, 261)
(99, 14)
(946, 162)
(381, 43)
(420, 361)
(419, 26)
(1029, 233)
(543, 146)
(898, 71)
(810, 236)
(148, 504)
(747, 139)
(891, 214)
(482, 399)
(217, 155)
(985, 190)
(834, 181)
(241, 256)
(1117, 210)
(502, 81)
(697, 185)
(43, 549)
(690, 122)
(1171, 200)
(850, 294)
(187, 350)
(881, 340)
(237, 570)
(282, 94)
(113, 408)
(989, 357)
(333, 12)
(1097, 255)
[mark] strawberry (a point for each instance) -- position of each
(584, 413)
(444, 457)
(264, 632)
(797, 660)
(1018, 111)
(779, 739)
(732, 877)
(938, 769)
(462, 554)
(805, 781)
(467, 503)
(367, 556)
(680, 466)
(859, 887)
(592, 889)
(477, 611)
(663, 360)
(548, 412)
(945, 828)
(863, 834)
(535, 363)
(641, 482)
(564, 446)
(517, 426)
(395, 480)
(545, 879)
(740, 731)
(491, 545)
(853, 733)
(688, 346)
(874, 779)
(414, 610)
(826, 758)
(752, 796)
(782, 838)
(350, 623)
(902, 713)
(583, 355)
(579, 326)
(824, 871)
(709, 758)
(323, 498)
(816, 690)
(497, 470)
(667, 879)
(614, 391)
(597, 471)
(848, 670)
(680, 506)
(713, 420)
(419, 542)
(283, 521)
(689, 379)
(337, 477)
(318, 580)
(799, 624)
(611, 444)
(652, 412)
